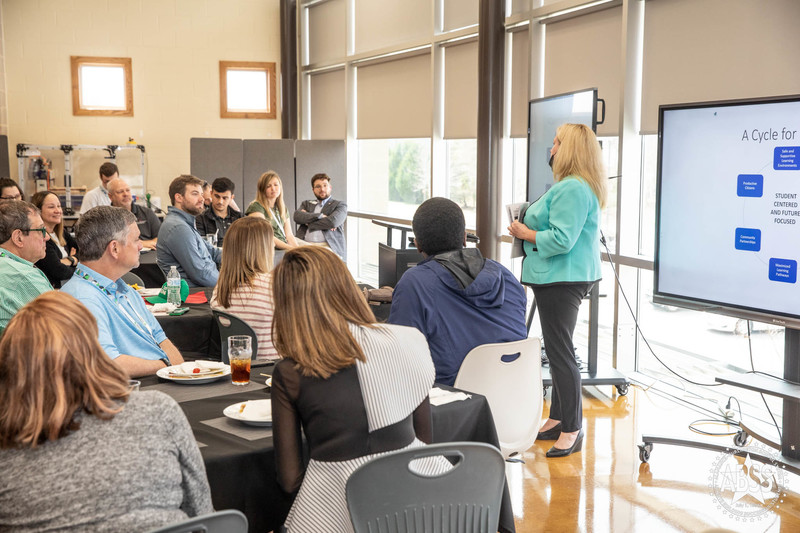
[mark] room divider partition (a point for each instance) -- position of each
(244, 160)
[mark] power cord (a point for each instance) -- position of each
(636, 322)
(714, 422)
(753, 366)
(728, 414)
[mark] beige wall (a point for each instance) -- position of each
(175, 45)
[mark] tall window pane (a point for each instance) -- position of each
(462, 165)
(394, 175)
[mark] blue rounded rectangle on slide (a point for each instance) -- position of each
(748, 239)
(750, 185)
(784, 270)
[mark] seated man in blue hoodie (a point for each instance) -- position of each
(456, 297)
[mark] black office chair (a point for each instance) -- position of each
(227, 521)
(390, 494)
(230, 325)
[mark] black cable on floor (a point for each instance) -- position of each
(714, 421)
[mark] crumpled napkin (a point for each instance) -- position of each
(440, 396)
(162, 309)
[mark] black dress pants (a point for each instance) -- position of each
(558, 312)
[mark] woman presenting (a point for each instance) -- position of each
(562, 262)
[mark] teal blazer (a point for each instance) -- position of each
(567, 223)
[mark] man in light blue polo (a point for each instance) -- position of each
(179, 243)
(109, 244)
(22, 243)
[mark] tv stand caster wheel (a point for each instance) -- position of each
(622, 389)
(644, 452)
(740, 439)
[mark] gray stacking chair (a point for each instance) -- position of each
(227, 521)
(130, 278)
(386, 494)
(232, 325)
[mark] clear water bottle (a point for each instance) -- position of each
(174, 287)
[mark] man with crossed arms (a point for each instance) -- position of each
(109, 244)
(321, 220)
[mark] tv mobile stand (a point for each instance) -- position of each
(788, 389)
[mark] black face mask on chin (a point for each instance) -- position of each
(551, 161)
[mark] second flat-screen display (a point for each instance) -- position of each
(545, 115)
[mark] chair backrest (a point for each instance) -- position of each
(388, 495)
(232, 325)
(130, 278)
(227, 521)
(512, 385)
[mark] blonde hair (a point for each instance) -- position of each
(261, 194)
(248, 252)
(579, 155)
(38, 200)
(315, 299)
(51, 367)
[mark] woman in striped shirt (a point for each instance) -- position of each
(357, 389)
(244, 287)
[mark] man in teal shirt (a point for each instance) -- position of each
(22, 243)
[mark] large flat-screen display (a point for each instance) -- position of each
(545, 115)
(728, 208)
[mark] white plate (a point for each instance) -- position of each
(165, 373)
(263, 408)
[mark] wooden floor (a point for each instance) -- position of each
(605, 488)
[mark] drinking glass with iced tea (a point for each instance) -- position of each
(240, 352)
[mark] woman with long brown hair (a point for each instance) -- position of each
(269, 204)
(356, 388)
(59, 262)
(244, 287)
(562, 263)
(78, 450)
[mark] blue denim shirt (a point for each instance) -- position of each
(180, 244)
(118, 333)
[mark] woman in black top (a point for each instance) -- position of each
(59, 261)
(356, 388)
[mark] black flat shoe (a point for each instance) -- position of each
(576, 447)
(550, 434)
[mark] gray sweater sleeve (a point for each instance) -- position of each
(196, 492)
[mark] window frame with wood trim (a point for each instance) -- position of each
(266, 67)
(78, 108)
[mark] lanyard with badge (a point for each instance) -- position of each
(141, 324)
